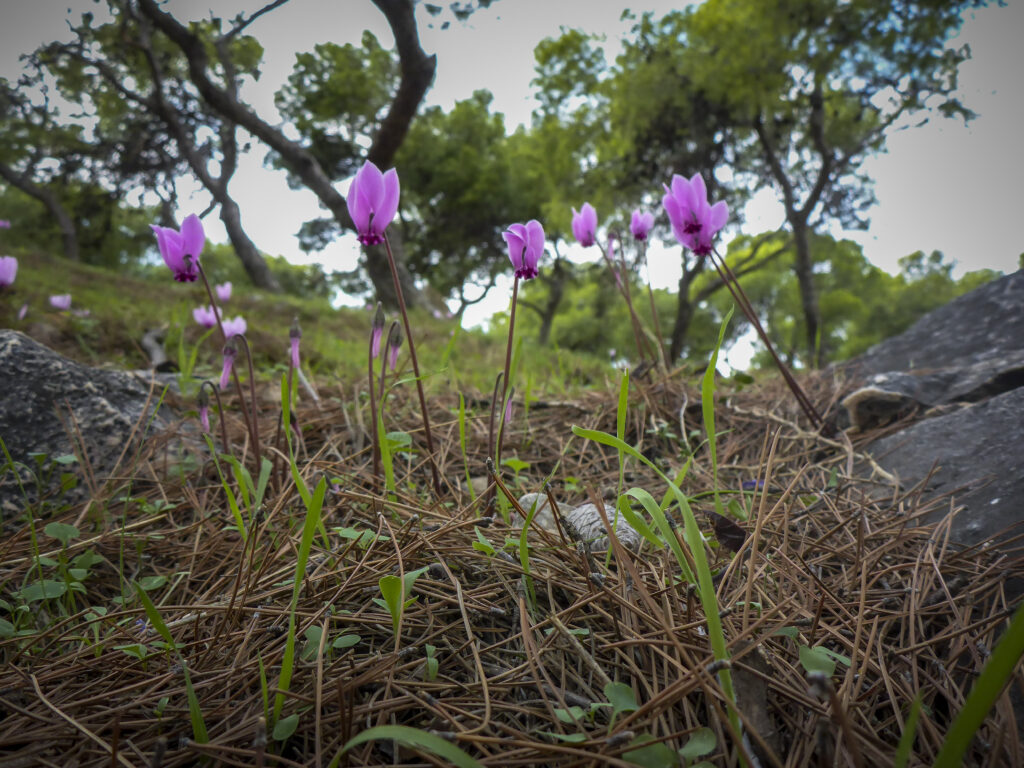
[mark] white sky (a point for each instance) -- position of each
(944, 186)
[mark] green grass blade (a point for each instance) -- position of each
(620, 425)
(309, 528)
(199, 733)
(417, 739)
(990, 683)
(232, 501)
(194, 712)
(707, 403)
(658, 516)
(902, 756)
(154, 617)
(695, 542)
(462, 445)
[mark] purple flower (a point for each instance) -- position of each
(229, 360)
(8, 270)
(5, 224)
(694, 221)
(508, 411)
(525, 247)
(206, 316)
(23, 311)
(640, 224)
(234, 327)
(394, 345)
(373, 202)
(180, 250)
(204, 408)
(61, 301)
(584, 225)
(378, 331)
(223, 291)
(294, 334)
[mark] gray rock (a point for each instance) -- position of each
(582, 523)
(46, 396)
(960, 369)
(978, 448)
(983, 325)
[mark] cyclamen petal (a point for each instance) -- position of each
(8, 270)
(236, 326)
(389, 201)
(640, 224)
(525, 247)
(179, 251)
(694, 221)
(192, 236)
(584, 225)
(373, 202)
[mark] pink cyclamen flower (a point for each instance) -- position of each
(373, 202)
(377, 332)
(584, 225)
(204, 408)
(694, 221)
(525, 247)
(23, 311)
(640, 224)
(180, 250)
(294, 335)
(206, 316)
(395, 340)
(223, 291)
(5, 224)
(229, 353)
(234, 327)
(8, 270)
(61, 301)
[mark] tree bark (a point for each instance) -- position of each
(254, 263)
(400, 15)
(556, 289)
(684, 309)
(68, 233)
(804, 269)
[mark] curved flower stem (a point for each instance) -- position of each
(490, 424)
(504, 380)
(373, 420)
(250, 418)
(733, 284)
(622, 283)
(220, 413)
(415, 365)
(654, 311)
(254, 427)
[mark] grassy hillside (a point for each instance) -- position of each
(332, 605)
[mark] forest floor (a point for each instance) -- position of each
(199, 624)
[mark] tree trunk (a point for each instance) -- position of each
(380, 273)
(804, 269)
(255, 265)
(417, 74)
(684, 309)
(68, 233)
(556, 289)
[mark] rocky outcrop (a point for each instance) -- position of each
(959, 371)
(50, 405)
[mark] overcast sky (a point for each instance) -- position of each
(945, 186)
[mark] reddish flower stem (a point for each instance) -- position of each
(415, 365)
(250, 418)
